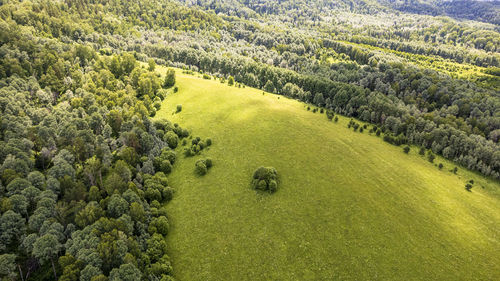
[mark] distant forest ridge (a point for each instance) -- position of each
(481, 10)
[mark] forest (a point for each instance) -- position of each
(84, 163)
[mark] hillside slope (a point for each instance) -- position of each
(349, 206)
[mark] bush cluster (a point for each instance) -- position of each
(468, 185)
(197, 145)
(265, 179)
(203, 165)
(330, 114)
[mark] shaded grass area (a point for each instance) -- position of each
(349, 206)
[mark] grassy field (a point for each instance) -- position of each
(349, 206)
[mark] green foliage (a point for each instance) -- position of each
(159, 225)
(46, 248)
(73, 161)
(76, 141)
(169, 79)
(265, 179)
(172, 139)
(8, 266)
(430, 157)
(197, 145)
(202, 166)
(151, 65)
(126, 272)
(117, 206)
(330, 114)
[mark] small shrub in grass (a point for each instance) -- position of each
(329, 115)
(421, 151)
(179, 108)
(361, 129)
(336, 119)
(468, 186)
(431, 157)
(455, 170)
(315, 110)
(190, 151)
(406, 149)
(308, 108)
(202, 166)
(208, 142)
(176, 89)
(440, 166)
(321, 110)
(365, 126)
(265, 179)
(378, 132)
(206, 76)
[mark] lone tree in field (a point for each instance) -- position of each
(169, 79)
(406, 149)
(265, 179)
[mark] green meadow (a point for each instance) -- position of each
(348, 207)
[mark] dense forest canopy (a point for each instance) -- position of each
(83, 167)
